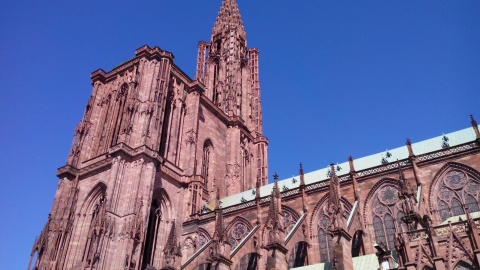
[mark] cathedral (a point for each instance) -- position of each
(170, 172)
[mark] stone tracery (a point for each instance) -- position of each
(387, 214)
(320, 226)
(237, 230)
(455, 189)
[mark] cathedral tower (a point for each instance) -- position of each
(229, 70)
(153, 147)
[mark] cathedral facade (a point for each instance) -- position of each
(170, 172)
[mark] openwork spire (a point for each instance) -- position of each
(273, 212)
(228, 18)
(334, 198)
(219, 234)
(335, 209)
(220, 247)
(172, 250)
(274, 220)
(172, 239)
(402, 182)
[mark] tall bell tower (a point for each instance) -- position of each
(153, 147)
(229, 70)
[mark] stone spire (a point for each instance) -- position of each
(172, 250)
(220, 250)
(228, 19)
(219, 234)
(334, 205)
(275, 243)
(274, 212)
(342, 257)
(475, 127)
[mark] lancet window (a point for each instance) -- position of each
(323, 225)
(194, 198)
(207, 146)
(248, 262)
(324, 238)
(298, 255)
(203, 237)
(166, 123)
(152, 232)
(94, 242)
(457, 190)
(290, 217)
(387, 214)
(119, 112)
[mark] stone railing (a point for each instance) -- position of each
(383, 168)
(446, 152)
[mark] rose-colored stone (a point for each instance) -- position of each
(155, 147)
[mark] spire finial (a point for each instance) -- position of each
(475, 127)
(350, 162)
(301, 169)
(332, 169)
(276, 190)
(474, 123)
(228, 18)
(409, 147)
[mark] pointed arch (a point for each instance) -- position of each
(290, 217)
(319, 226)
(120, 112)
(237, 230)
(454, 188)
(319, 208)
(357, 244)
(91, 199)
(248, 262)
(203, 237)
(159, 223)
(93, 213)
(206, 161)
(383, 210)
(298, 255)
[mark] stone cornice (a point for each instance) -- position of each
(119, 149)
(143, 151)
(143, 52)
(72, 171)
(67, 171)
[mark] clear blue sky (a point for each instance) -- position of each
(338, 78)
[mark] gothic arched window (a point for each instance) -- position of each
(119, 112)
(194, 199)
(237, 231)
(457, 189)
(298, 255)
(324, 237)
(248, 262)
(290, 217)
(206, 161)
(203, 237)
(97, 228)
(387, 210)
